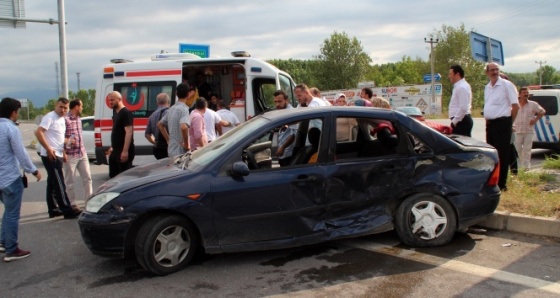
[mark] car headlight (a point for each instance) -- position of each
(96, 202)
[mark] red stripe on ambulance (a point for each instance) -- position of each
(149, 73)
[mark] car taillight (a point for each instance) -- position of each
(495, 177)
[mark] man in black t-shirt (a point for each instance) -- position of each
(121, 153)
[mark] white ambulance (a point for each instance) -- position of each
(547, 130)
(246, 83)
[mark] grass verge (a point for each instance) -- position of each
(534, 193)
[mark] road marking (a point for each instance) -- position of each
(460, 266)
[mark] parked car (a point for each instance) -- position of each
(87, 134)
(231, 195)
(415, 112)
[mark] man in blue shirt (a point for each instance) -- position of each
(11, 184)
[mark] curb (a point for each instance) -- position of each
(515, 222)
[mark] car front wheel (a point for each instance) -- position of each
(425, 220)
(166, 244)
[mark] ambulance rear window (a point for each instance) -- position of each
(549, 103)
(140, 97)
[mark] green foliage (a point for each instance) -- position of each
(343, 62)
(407, 71)
(552, 162)
(302, 71)
(454, 48)
(87, 97)
(22, 113)
(549, 75)
(523, 79)
(88, 100)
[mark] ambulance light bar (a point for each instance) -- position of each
(174, 56)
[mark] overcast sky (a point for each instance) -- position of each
(100, 30)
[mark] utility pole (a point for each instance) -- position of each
(431, 42)
(540, 63)
(78, 79)
(61, 39)
(57, 75)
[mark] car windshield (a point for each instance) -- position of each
(208, 153)
(410, 110)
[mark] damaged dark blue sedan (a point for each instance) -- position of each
(352, 171)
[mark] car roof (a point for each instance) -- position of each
(338, 110)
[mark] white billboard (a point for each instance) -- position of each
(401, 96)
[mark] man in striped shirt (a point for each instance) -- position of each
(75, 156)
(529, 113)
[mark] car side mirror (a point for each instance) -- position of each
(238, 169)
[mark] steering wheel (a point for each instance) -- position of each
(251, 160)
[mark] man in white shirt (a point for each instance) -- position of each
(460, 104)
(213, 124)
(305, 98)
(51, 136)
(500, 109)
(227, 115)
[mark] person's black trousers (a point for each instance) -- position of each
(498, 134)
(116, 166)
(160, 152)
(464, 127)
(56, 189)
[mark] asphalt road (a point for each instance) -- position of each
(472, 265)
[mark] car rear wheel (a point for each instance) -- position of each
(425, 220)
(166, 244)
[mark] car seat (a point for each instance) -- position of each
(305, 153)
(387, 138)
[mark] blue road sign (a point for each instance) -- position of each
(486, 49)
(428, 77)
(201, 50)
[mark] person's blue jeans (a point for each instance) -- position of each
(11, 198)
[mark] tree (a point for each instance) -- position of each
(454, 48)
(88, 100)
(302, 71)
(522, 79)
(549, 75)
(343, 62)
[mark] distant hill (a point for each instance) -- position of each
(38, 96)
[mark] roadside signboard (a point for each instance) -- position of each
(428, 77)
(201, 50)
(400, 96)
(486, 49)
(24, 102)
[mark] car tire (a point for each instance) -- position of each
(166, 244)
(425, 220)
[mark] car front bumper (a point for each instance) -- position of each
(103, 234)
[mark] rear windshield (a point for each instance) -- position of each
(549, 103)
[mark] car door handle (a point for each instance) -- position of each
(306, 178)
(391, 168)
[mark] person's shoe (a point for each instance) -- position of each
(2, 248)
(72, 214)
(54, 213)
(16, 255)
